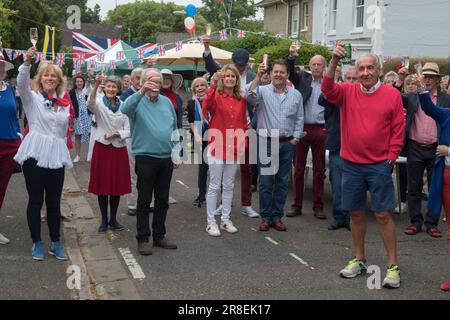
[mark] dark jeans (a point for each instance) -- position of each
(273, 189)
(419, 159)
(202, 175)
(339, 214)
(403, 175)
(39, 180)
(153, 177)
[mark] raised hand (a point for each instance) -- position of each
(29, 55)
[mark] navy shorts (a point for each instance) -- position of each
(376, 178)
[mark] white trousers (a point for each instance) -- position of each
(220, 174)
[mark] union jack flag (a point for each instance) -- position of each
(60, 59)
(93, 64)
(130, 64)
(161, 50)
(223, 35)
(354, 49)
(241, 34)
(101, 57)
(140, 53)
(90, 45)
(15, 54)
(39, 57)
(120, 56)
(178, 45)
(112, 64)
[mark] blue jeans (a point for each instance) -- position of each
(273, 189)
(336, 187)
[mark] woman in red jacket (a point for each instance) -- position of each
(227, 143)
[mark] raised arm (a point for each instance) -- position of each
(293, 75)
(433, 111)
(210, 65)
(332, 91)
(23, 80)
(92, 105)
(209, 104)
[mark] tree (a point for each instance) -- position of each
(146, 18)
(215, 13)
(251, 25)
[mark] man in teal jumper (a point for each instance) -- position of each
(155, 142)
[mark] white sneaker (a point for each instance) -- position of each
(3, 239)
(354, 268)
(172, 200)
(213, 230)
(404, 208)
(218, 211)
(228, 226)
(249, 212)
(77, 159)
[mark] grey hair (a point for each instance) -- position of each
(136, 71)
(324, 61)
(116, 80)
(347, 69)
(373, 56)
(390, 74)
(145, 71)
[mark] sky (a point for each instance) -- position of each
(110, 4)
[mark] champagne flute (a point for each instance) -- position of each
(208, 29)
(34, 36)
(406, 63)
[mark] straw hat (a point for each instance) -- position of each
(177, 79)
(431, 68)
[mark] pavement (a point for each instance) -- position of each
(302, 263)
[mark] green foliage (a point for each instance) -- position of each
(251, 25)
(214, 12)
(281, 51)
(443, 63)
(252, 43)
(145, 18)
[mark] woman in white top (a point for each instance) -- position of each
(43, 153)
(110, 170)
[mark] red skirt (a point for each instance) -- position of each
(110, 171)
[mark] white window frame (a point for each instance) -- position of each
(333, 17)
(305, 16)
(294, 10)
(356, 8)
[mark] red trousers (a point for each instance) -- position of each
(315, 139)
(446, 198)
(8, 149)
(246, 182)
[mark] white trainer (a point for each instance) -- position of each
(213, 230)
(77, 159)
(404, 208)
(172, 200)
(249, 212)
(228, 226)
(3, 239)
(218, 211)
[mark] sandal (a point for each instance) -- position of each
(412, 230)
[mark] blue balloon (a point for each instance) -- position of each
(191, 10)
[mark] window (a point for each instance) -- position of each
(294, 19)
(359, 14)
(333, 15)
(305, 16)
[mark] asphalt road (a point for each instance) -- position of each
(302, 263)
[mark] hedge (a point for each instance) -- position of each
(443, 63)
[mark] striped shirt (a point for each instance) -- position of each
(282, 111)
(314, 113)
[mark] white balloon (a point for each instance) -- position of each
(189, 23)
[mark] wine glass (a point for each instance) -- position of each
(208, 29)
(34, 36)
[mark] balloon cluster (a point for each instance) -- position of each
(189, 22)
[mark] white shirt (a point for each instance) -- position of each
(373, 89)
(108, 122)
(46, 141)
(243, 78)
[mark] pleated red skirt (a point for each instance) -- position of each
(110, 171)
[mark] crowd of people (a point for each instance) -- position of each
(264, 123)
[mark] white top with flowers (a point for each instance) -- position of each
(46, 141)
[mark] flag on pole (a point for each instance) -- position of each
(49, 43)
(161, 50)
(112, 64)
(178, 45)
(130, 64)
(223, 35)
(120, 56)
(101, 57)
(241, 34)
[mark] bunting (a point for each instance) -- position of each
(223, 35)
(161, 50)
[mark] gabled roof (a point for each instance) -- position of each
(267, 3)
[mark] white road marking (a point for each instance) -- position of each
(254, 229)
(182, 183)
(271, 240)
(132, 264)
(298, 259)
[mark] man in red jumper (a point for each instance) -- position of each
(372, 125)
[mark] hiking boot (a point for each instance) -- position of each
(392, 279)
(354, 268)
